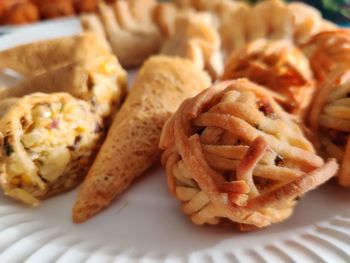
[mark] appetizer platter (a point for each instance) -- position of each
(158, 132)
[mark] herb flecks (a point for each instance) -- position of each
(75, 144)
(279, 160)
(8, 148)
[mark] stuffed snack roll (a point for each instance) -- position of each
(232, 154)
(48, 144)
(101, 81)
(38, 57)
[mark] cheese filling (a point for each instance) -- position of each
(52, 136)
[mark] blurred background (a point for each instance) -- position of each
(335, 10)
(19, 12)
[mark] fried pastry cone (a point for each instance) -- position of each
(232, 154)
(131, 145)
(47, 145)
(330, 119)
(196, 38)
(100, 81)
(328, 52)
(279, 66)
(36, 58)
(129, 28)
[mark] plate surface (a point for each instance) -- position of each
(68, 21)
(145, 224)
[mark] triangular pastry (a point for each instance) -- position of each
(131, 146)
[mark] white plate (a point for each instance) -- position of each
(42, 30)
(145, 225)
(52, 22)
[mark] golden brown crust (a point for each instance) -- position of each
(329, 119)
(328, 52)
(129, 28)
(18, 12)
(279, 66)
(29, 11)
(36, 58)
(164, 16)
(131, 145)
(307, 22)
(270, 19)
(82, 79)
(225, 158)
(85, 5)
(55, 8)
(195, 38)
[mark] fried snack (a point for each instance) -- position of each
(39, 57)
(85, 5)
(18, 12)
(54, 8)
(131, 146)
(6, 5)
(308, 22)
(232, 37)
(129, 28)
(269, 19)
(329, 52)
(230, 15)
(196, 38)
(233, 155)
(202, 5)
(92, 23)
(279, 66)
(100, 81)
(240, 24)
(330, 119)
(164, 16)
(47, 145)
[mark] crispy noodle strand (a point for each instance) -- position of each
(330, 119)
(229, 159)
